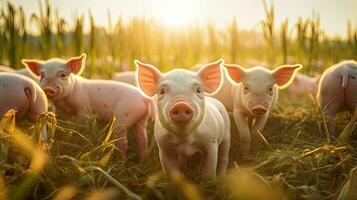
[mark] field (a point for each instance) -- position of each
(299, 160)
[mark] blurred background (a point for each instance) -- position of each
(182, 33)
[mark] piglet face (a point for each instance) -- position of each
(56, 75)
(259, 86)
(180, 93)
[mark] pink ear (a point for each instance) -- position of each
(211, 76)
(236, 72)
(33, 66)
(284, 74)
(147, 77)
(76, 64)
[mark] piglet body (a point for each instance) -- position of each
(337, 90)
(22, 94)
(75, 95)
(188, 122)
(128, 77)
(303, 85)
(6, 69)
(23, 72)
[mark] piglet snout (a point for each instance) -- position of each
(181, 112)
(49, 91)
(259, 110)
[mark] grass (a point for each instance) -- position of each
(83, 160)
(298, 160)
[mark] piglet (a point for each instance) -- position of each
(75, 95)
(23, 72)
(250, 94)
(303, 85)
(128, 77)
(6, 69)
(337, 90)
(187, 120)
(24, 95)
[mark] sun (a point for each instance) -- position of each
(176, 13)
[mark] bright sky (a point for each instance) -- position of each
(334, 13)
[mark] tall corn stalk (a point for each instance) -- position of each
(352, 40)
(196, 47)
(285, 40)
(112, 42)
(315, 36)
(92, 45)
(234, 42)
(212, 40)
(44, 22)
(61, 26)
(301, 38)
(78, 35)
(268, 30)
(23, 36)
(11, 33)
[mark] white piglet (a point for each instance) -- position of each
(303, 85)
(250, 94)
(337, 91)
(188, 121)
(75, 95)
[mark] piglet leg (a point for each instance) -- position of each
(123, 141)
(169, 161)
(223, 157)
(183, 162)
(330, 120)
(141, 137)
(210, 163)
(244, 132)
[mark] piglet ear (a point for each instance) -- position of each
(284, 74)
(147, 77)
(317, 78)
(236, 72)
(33, 66)
(76, 64)
(211, 76)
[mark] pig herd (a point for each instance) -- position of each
(190, 108)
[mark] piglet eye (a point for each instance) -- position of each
(246, 88)
(199, 90)
(270, 90)
(162, 91)
(63, 76)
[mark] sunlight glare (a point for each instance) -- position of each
(176, 13)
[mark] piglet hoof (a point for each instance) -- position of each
(208, 179)
(123, 147)
(142, 156)
(257, 144)
(244, 152)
